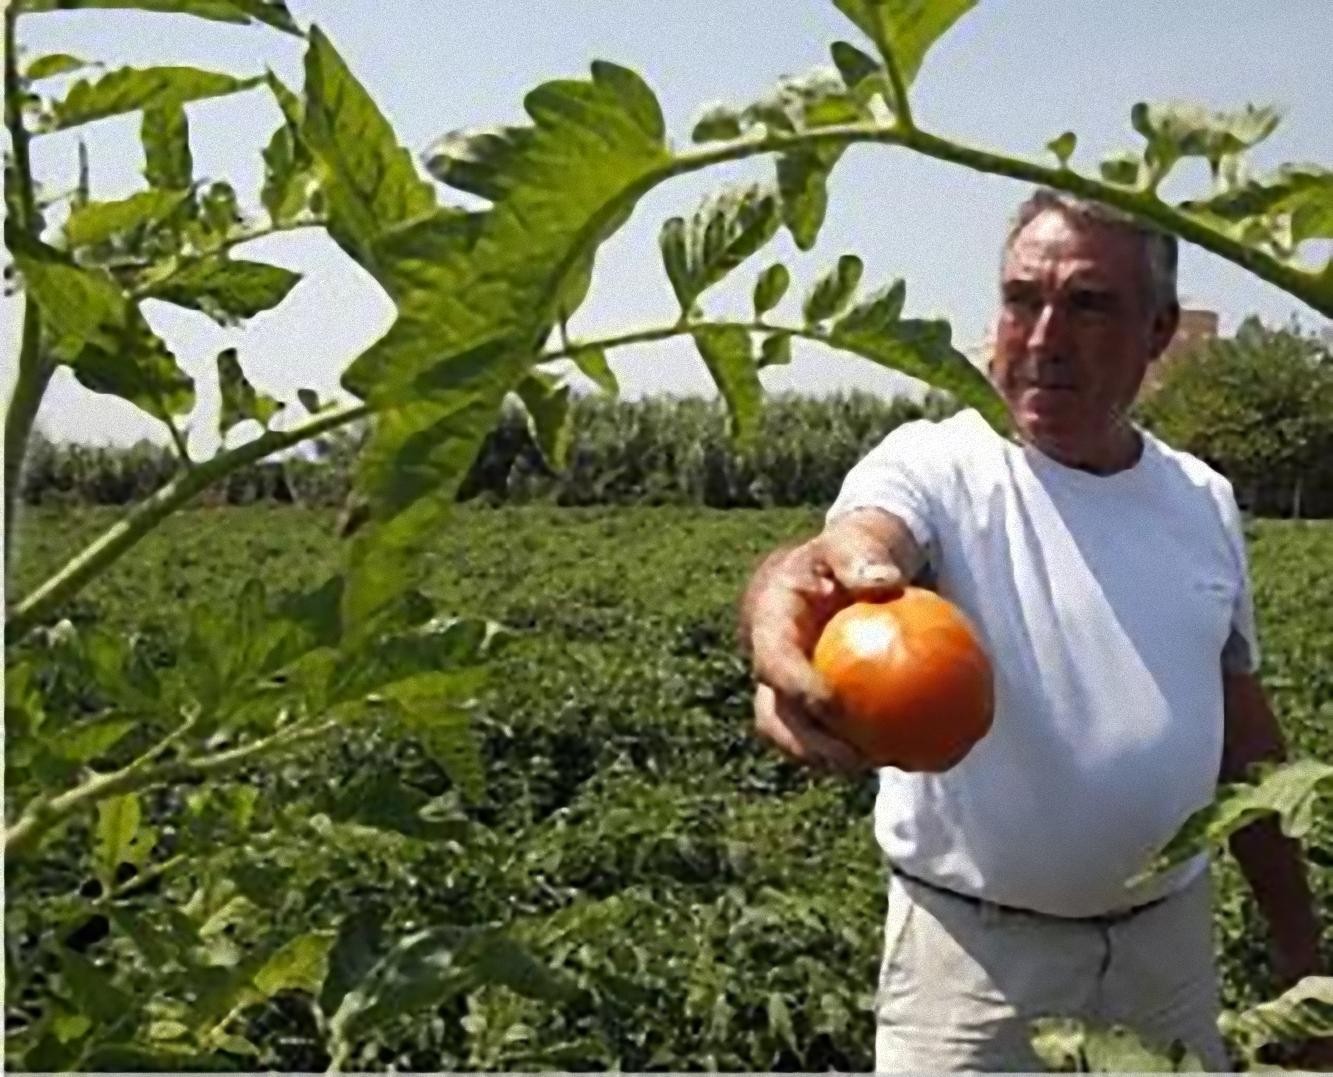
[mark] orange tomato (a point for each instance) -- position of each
(912, 686)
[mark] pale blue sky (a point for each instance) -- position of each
(1012, 74)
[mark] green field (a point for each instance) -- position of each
(718, 908)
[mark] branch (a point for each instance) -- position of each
(126, 532)
(144, 773)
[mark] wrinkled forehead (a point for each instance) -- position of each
(1057, 250)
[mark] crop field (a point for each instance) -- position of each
(716, 907)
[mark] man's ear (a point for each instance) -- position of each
(1164, 325)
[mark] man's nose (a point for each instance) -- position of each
(1047, 331)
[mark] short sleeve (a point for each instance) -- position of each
(1240, 653)
(899, 475)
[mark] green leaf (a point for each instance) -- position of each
(1289, 791)
(1063, 147)
(290, 172)
(1066, 1043)
(728, 227)
(717, 123)
(776, 350)
(853, 65)
(240, 399)
(833, 290)
(370, 182)
(130, 89)
(592, 364)
(97, 222)
(165, 134)
(90, 740)
(727, 352)
(876, 313)
(359, 945)
(1124, 167)
(226, 289)
(1305, 1012)
(803, 185)
(310, 400)
(90, 989)
(272, 12)
(922, 349)
(770, 288)
(428, 968)
(95, 329)
(1175, 130)
(547, 404)
(56, 63)
(1305, 192)
(298, 965)
(904, 30)
(119, 837)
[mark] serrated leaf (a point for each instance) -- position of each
(1289, 791)
(129, 89)
(370, 182)
(776, 350)
(1304, 1012)
(728, 227)
(245, 12)
(240, 399)
(592, 363)
(56, 63)
(876, 313)
(98, 332)
(727, 352)
(770, 288)
(833, 290)
(478, 295)
(1063, 147)
(165, 134)
(547, 404)
(717, 123)
(226, 289)
(97, 222)
(923, 350)
(904, 30)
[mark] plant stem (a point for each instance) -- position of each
(126, 532)
(43, 814)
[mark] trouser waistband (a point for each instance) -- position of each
(1103, 919)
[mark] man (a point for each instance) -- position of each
(1106, 573)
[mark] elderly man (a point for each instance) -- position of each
(1106, 573)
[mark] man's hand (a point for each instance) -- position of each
(866, 556)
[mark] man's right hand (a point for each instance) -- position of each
(862, 557)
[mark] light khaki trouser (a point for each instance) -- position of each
(959, 983)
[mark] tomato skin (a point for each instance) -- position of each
(912, 686)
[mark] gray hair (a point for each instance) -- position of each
(1160, 249)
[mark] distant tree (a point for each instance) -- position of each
(1258, 407)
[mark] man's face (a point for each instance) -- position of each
(1075, 334)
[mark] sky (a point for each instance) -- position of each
(1010, 75)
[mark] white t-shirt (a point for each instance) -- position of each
(1104, 603)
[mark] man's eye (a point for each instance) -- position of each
(1091, 303)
